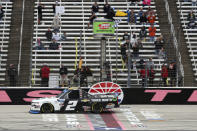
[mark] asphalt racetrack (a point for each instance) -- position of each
(127, 117)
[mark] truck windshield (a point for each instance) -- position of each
(63, 92)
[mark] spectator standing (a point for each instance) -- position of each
(133, 39)
(76, 77)
(150, 11)
(40, 7)
(1, 12)
(135, 48)
(49, 34)
(44, 74)
(158, 45)
(12, 74)
(88, 71)
(143, 74)
(83, 76)
(162, 54)
(132, 17)
(143, 19)
(56, 23)
(63, 76)
(164, 74)
(95, 7)
(141, 12)
(106, 7)
(123, 49)
(150, 64)
(141, 64)
(90, 78)
(110, 14)
(143, 34)
(125, 36)
(152, 31)
(54, 45)
(151, 18)
(172, 73)
(127, 43)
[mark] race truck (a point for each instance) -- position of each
(75, 99)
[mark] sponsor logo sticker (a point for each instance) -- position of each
(105, 88)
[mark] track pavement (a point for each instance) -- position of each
(128, 117)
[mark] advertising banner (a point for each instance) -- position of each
(14, 96)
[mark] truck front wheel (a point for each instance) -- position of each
(96, 108)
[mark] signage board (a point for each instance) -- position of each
(103, 28)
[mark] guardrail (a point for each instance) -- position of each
(175, 43)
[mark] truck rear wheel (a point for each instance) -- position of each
(96, 108)
(47, 108)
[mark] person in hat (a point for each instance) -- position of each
(172, 73)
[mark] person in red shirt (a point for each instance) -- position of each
(44, 74)
(164, 74)
(152, 31)
(144, 75)
(151, 18)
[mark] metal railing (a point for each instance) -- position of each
(175, 42)
(84, 33)
(21, 39)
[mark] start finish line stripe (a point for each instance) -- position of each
(110, 121)
(89, 122)
(119, 122)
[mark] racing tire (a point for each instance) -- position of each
(96, 108)
(47, 108)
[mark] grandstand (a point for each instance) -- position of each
(74, 19)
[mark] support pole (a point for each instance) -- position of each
(129, 66)
(80, 43)
(116, 53)
(103, 74)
